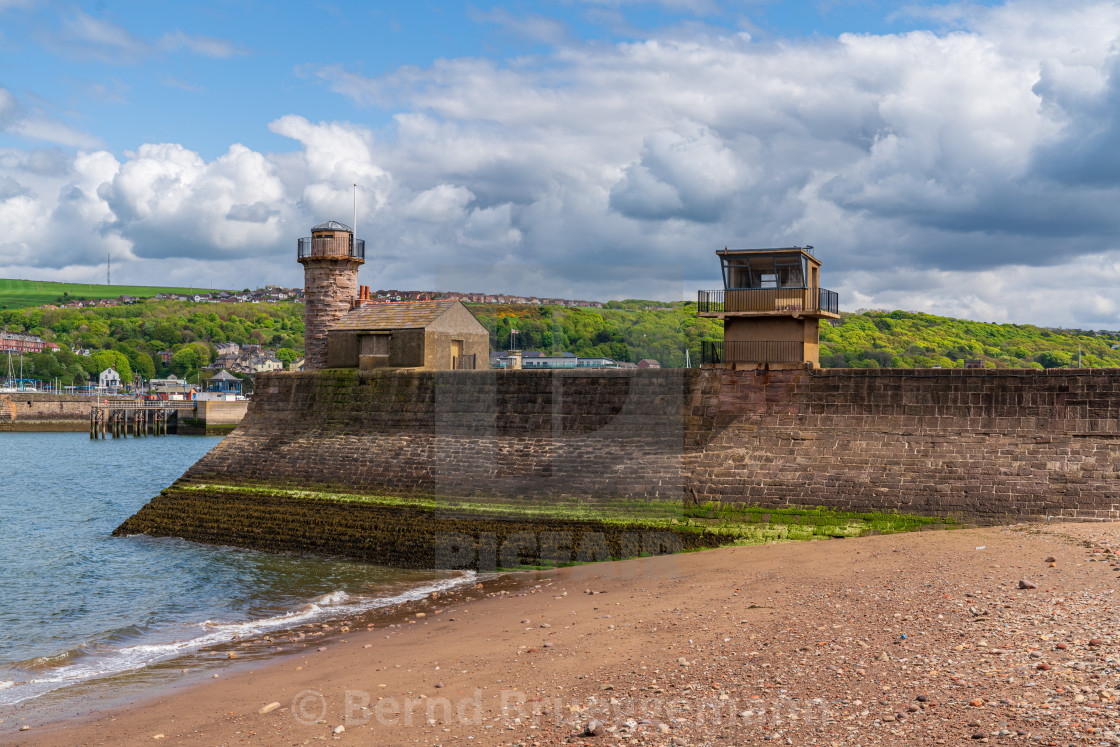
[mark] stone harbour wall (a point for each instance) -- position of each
(979, 444)
(521, 435)
(25, 411)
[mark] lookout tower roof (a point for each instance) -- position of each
(332, 225)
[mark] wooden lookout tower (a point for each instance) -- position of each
(330, 256)
(771, 306)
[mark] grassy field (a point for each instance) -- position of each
(19, 294)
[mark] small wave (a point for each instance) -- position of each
(49, 662)
(213, 633)
(335, 597)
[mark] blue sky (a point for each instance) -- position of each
(957, 158)
(204, 74)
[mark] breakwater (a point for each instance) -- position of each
(33, 411)
(630, 448)
(40, 412)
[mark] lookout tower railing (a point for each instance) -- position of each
(751, 351)
(767, 301)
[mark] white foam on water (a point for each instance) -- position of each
(335, 597)
(213, 633)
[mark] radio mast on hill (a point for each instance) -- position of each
(108, 268)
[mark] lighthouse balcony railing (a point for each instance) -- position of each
(331, 248)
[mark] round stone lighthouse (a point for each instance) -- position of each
(330, 257)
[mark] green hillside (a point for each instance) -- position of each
(19, 294)
(903, 339)
(624, 330)
(134, 335)
(632, 330)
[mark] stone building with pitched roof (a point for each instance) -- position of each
(408, 334)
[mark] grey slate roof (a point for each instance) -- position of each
(394, 315)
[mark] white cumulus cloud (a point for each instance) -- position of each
(969, 169)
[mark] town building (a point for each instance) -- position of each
(223, 386)
(771, 306)
(408, 334)
(108, 381)
(246, 359)
(535, 359)
(15, 343)
(171, 389)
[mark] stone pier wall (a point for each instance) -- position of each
(989, 445)
(523, 435)
(21, 411)
(986, 445)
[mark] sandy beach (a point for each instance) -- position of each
(920, 638)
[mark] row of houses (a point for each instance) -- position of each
(267, 294)
(536, 359)
(248, 363)
(242, 359)
(493, 298)
(90, 303)
(10, 342)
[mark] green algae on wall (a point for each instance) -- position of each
(401, 533)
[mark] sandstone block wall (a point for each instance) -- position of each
(982, 444)
(522, 435)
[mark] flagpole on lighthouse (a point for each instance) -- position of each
(355, 221)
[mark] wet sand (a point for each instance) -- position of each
(921, 638)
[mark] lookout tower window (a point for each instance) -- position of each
(764, 271)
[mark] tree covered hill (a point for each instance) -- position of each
(132, 337)
(902, 339)
(631, 330)
(622, 330)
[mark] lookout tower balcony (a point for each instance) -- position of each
(771, 306)
(769, 283)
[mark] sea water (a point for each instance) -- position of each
(79, 606)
